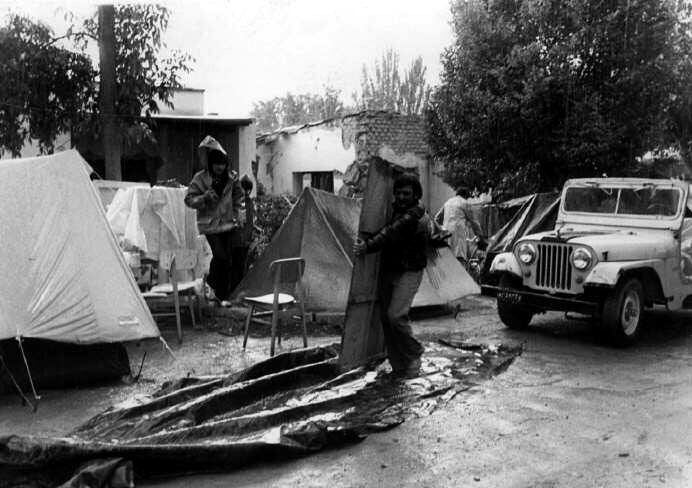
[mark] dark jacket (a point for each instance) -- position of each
(403, 241)
(221, 216)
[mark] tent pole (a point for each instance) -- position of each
(28, 372)
(331, 232)
(165, 346)
(25, 399)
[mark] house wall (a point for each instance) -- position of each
(185, 101)
(335, 144)
(439, 191)
(246, 150)
(178, 143)
(311, 149)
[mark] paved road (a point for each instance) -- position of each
(569, 412)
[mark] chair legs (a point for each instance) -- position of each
(275, 326)
(190, 304)
(305, 328)
(248, 319)
(178, 324)
(275, 322)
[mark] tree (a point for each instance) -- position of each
(383, 89)
(143, 76)
(293, 109)
(534, 92)
(46, 89)
(68, 81)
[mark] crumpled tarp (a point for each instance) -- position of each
(289, 405)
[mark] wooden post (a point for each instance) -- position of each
(362, 338)
(109, 124)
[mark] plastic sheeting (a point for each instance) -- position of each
(536, 214)
(290, 405)
(64, 277)
(153, 219)
(460, 221)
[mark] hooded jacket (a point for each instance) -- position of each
(220, 216)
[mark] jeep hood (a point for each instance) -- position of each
(620, 244)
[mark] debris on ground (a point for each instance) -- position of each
(290, 405)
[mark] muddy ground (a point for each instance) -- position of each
(569, 412)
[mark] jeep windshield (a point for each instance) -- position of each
(646, 200)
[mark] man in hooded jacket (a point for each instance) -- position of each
(217, 196)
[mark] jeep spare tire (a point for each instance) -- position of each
(513, 315)
(622, 312)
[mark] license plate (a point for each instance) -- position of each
(509, 296)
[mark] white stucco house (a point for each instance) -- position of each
(319, 154)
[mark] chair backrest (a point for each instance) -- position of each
(289, 270)
(176, 261)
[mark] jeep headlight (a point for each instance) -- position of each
(526, 253)
(581, 258)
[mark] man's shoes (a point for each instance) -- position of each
(412, 370)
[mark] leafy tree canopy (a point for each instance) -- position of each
(536, 91)
(293, 109)
(384, 88)
(52, 86)
(46, 89)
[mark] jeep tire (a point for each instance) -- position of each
(623, 308)
(512, 315)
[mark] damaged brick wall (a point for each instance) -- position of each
(371, 131)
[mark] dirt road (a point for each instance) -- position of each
(569, 412)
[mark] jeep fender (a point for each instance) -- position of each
(608, 273)
(505, 262)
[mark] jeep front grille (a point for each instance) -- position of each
(553, 267)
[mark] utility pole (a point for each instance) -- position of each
(109, 124)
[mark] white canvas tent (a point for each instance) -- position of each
(64, 277)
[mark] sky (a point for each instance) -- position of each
(253, 50)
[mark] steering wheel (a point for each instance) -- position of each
(656, 208)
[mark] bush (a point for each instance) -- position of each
(270, 213)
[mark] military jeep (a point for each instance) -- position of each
(619, 245)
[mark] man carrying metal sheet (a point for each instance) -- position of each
(403, 242)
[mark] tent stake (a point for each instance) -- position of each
(165, 345)
(25, 399)
(28, 372)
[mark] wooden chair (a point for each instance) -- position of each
(171, 293)
(283, 272)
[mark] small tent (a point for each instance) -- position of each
(64, 278)
(321, 228)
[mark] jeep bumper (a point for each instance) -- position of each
(542, 301)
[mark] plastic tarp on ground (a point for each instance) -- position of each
(321, 228)
(64, 277)
(290, 405)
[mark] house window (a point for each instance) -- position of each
(321, 180)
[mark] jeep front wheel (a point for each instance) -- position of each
(622, 312)
(513, 315)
